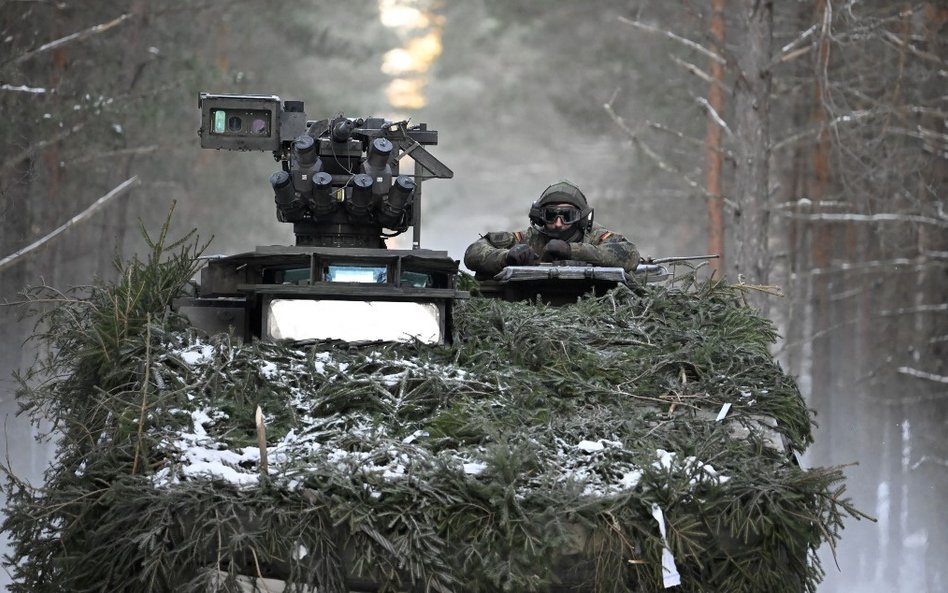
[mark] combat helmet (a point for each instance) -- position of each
(562, 192)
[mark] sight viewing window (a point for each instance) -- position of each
(298, 276)
(417, 279)
(359, 274)
(241, 122)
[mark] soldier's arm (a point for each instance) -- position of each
(488, 254)
(605, 248)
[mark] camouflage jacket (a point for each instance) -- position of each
(598, 246)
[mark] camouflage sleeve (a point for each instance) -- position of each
(488, 254)
(602, 247)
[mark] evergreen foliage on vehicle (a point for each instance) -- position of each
(529, 453)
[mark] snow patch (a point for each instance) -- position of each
(197, 354)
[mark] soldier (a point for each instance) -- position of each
(561, 229)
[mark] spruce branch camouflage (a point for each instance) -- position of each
(597, 245)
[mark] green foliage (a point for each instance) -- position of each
(527, 454)
(91, 379)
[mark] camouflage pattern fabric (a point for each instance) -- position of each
(598, 246)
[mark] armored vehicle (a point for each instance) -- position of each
(341, 187)
(377, 428)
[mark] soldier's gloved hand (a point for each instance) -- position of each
(556, 249)
(521, 255)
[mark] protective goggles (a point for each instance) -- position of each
(569, 214)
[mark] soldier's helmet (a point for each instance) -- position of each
(562, 192)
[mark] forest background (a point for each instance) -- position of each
(805, 141)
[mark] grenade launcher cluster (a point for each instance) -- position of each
(340, 183)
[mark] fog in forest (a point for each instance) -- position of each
(610, 95)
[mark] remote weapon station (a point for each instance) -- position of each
(341, 187)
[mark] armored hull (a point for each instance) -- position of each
(421, 439)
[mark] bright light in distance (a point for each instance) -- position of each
(398, 61)
(398, 15)
(420, 31)
(406, 93)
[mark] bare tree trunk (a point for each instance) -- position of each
(753, 37)
(714, 159)
(15, 224)
(798, 281)
(136, 65)
(821, 235)
(56, 205)
(931, 460)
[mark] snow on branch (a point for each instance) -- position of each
(94, 30)
(687, 42)
(930, 459)
(119, 189)
(814, 131)
(790, 51)
(22, 89)
(861, 115)
(923, 375)
(853, 217)
(936, 308)
(700, 74)
(796, 42)
(922, 262)
(706, 105)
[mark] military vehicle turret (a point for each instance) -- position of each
(342, 189)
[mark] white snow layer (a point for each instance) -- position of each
(599, 465)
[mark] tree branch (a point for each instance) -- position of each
(790, 56)
(923, 375)
(904, 263)
(793, 44)
(645, 148)
(36, 147)
(118, 190)
(860, 115)
(935, 308)
(706, 105)
(664, 166)
(94, 30)
(138, 150)
(22, 89)
(882, 217)
(930, 459)
(893, 38)
(686, 42)
(693, 69)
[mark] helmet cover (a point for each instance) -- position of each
(562, 192)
